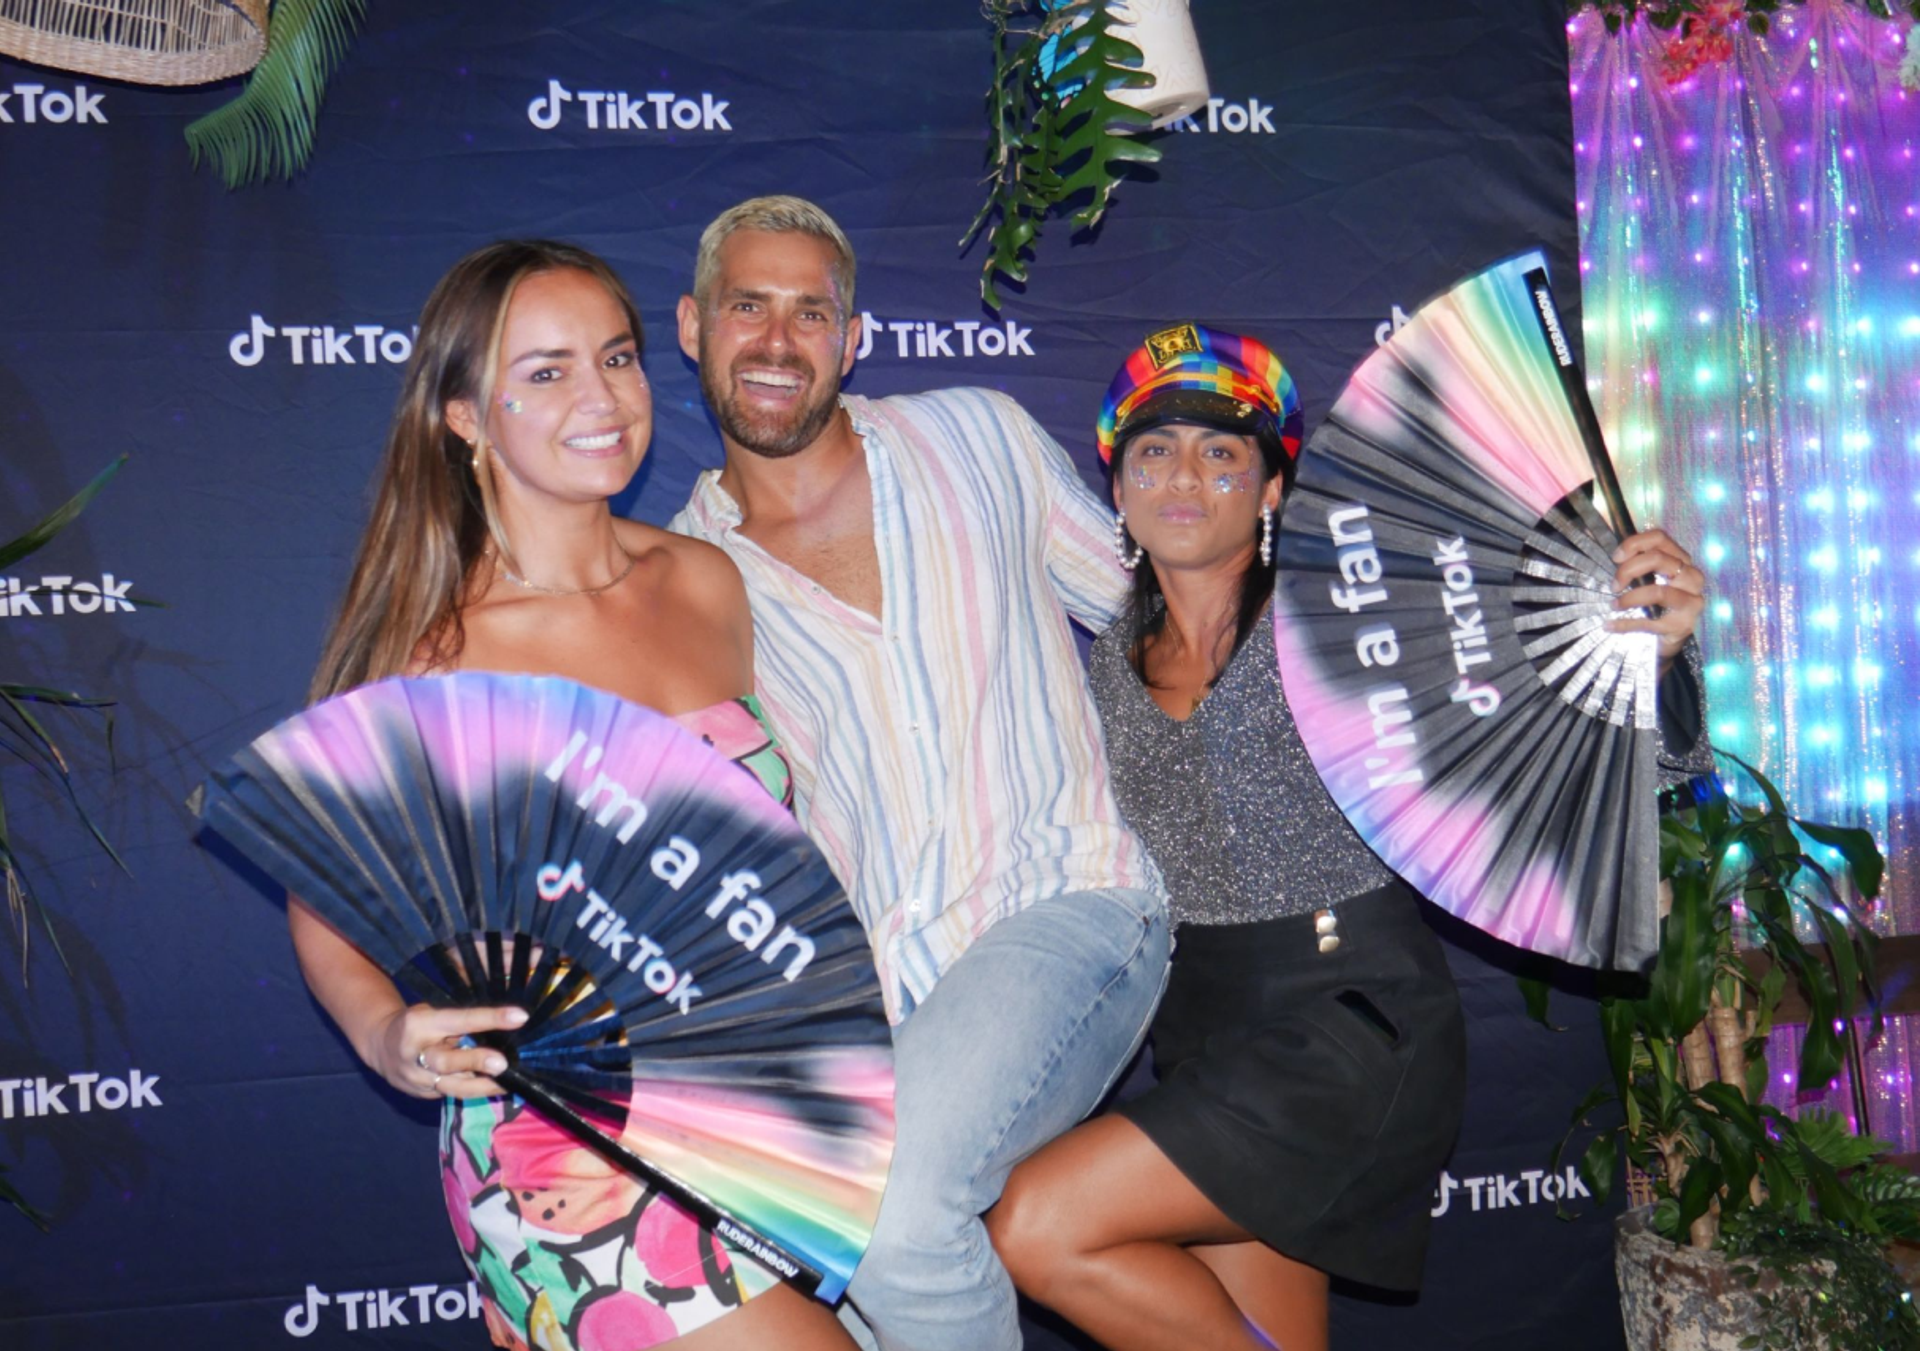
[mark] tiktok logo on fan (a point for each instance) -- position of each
(78, 1094)
(36, 104)
(1391, 326)
(373, 1310)
(750, 920)
(322, 344)
(617, 110)
(924, 339)
(1252, 118)
(61, 595)
(1503, 1191)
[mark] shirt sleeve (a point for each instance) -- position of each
(1684, 750)
(1081, 565)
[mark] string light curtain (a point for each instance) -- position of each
(1750, 251)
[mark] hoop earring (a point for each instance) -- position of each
(474, 459)
(1120, 544)
(1266, 537)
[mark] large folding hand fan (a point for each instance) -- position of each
(1439, 620)
(704, 1005)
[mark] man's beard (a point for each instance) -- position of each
(774, 436)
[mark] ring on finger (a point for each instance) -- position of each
(420, 1057)
(436, 1082)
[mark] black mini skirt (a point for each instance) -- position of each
(1313, 1093)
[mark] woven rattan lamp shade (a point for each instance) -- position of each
(140, 41)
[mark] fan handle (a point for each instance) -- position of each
(1575, 385)
(801, 1275)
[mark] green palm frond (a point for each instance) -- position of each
(267, 131)
(26, 737)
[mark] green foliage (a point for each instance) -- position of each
(25, 736)
(1781, 1189)
(267, 130)
(19, 1202)
(1674, 14)
(1054, 140)
(1821, 1285)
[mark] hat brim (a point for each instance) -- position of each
(1208, 408)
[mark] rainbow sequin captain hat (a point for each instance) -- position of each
(1190, 373)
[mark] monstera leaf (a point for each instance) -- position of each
(1057, 136)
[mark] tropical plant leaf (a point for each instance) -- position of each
(1536, 993)
(1682, 976)
(12, 551)
(13, 1198)
(1697, 1190)
(1617, 1033)
(29, 740)
(266, 131)
(1865, 863)
(1056, 133)
(1597, 1165)
(1828, 1138)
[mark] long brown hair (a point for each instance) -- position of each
(433, 513)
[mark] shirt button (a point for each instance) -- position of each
(913, 727)
(816, 588)
(913, 907)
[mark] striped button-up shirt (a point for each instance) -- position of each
(946, 753)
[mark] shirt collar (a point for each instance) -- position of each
(715, 508)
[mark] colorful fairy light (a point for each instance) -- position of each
(1794, 246)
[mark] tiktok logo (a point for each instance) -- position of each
(35, 103)
(923, 339)
(617, 110)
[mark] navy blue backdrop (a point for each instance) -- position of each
(218, 1169)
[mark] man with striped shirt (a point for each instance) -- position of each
(911, 563)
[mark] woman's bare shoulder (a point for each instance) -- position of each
(701, 567)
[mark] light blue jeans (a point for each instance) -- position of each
(1019, 1040)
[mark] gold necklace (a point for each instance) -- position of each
(608, 585)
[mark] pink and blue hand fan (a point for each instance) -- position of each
(1445, 580)
(703, 999)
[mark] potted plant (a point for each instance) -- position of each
(1764, 1230)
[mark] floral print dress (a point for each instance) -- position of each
(571, 1253)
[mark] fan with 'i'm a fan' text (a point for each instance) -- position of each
(1445, 580)
(704, 1009)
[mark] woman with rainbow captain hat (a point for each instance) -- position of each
(1310, 1048)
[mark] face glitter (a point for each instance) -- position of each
(1241, 482)
(1138, 476)
(511, 404)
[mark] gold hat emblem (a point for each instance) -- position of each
(1169, 343)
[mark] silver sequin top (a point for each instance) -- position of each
(1229, 804)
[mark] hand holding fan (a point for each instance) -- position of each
(1445, 581)
(703, 1006)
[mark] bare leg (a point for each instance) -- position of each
(780, 1319)
(1285, 1299)
(1101, 1227)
